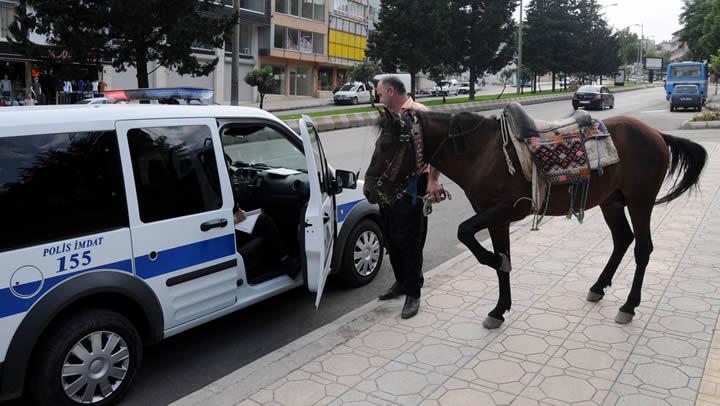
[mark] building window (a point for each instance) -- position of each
(319, 10)
(325, 75)
(7, 13)
(253, 5)
(279, 76)
(351, 8)
(296, 40)
(245, 37)
(310, 9)
(318, 43)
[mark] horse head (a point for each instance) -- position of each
(393, 160)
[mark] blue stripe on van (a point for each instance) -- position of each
(11, 304)
(344, 209)
(167, 261)
(185, 256)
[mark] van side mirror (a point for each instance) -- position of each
(345, 179)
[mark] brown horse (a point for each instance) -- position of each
(479, 167)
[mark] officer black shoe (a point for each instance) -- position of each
(395, 291)
(412, 305)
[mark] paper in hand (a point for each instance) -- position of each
(248, 225)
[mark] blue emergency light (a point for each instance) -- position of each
(170, 93)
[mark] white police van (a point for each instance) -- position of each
(117, 232)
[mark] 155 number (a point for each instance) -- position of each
(74, 261)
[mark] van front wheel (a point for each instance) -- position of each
(88, 358)
(363, 254)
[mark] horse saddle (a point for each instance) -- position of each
(525, 127)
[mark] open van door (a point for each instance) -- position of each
(320, 214)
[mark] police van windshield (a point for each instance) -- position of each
(261, 145)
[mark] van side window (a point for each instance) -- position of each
(59, 186)
(175, 171)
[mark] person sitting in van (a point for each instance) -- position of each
(266, 231)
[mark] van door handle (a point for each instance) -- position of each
(217, 223)
(326, 218)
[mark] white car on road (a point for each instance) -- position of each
(354, 93)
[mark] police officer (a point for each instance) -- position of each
(404, 224)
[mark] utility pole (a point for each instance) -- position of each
(519, 62)
(235, 72)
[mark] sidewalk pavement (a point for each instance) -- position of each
(554, 347)
(283, 103)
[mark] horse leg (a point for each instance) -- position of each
(640, 217)
(622, 236)
(496, 260)
(500, 236)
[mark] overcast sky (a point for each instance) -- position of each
(659, 17)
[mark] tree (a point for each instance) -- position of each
(628, 46)
(439, 73)
(130, 33)
(601, 56)
(715, 68)
(506, 75)
(710, 39)
(263, 79)
(537, 35)
(481, 32)
(693, 20)
(405, 36)
(364, 72)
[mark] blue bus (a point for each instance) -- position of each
(684, 73)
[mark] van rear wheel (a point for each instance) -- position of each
(89, 358)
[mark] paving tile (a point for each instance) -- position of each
(664, 378)
(401, 384)
(456, 392)
(559, 387)
(499, 371)
(436, 355)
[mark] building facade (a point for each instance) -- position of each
(254, 22)
(678, 48)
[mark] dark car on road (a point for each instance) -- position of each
(593, 97)
(687, 97)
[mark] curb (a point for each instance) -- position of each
(246, 381)
(341, 121)
(700, 125)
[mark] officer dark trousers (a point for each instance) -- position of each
(405, 229)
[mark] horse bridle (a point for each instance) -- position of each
(411, 135)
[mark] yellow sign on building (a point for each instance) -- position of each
(347, 46)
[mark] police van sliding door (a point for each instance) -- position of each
(320, 214)
(181, 219)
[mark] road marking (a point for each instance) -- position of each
(653, 111)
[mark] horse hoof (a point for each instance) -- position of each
(492, 323)
(623, 318)
(594, 297)
(505, 265)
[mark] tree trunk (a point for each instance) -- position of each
(564, 81)
(503, 91)
(473, 79)
(411, 91)
(553, 80)
(262, 99)
(142, 71)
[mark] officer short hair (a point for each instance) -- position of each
(395, 83)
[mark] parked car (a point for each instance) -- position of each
(464, 88)
(354, 93)
(446, 88)
(593, 97)
(142, 244)
(686, 97)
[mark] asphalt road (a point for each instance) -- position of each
(185, 363)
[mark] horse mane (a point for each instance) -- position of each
(461, 121)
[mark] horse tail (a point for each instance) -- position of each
(687, 161)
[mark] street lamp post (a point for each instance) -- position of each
(518, 74)
(235, 71)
